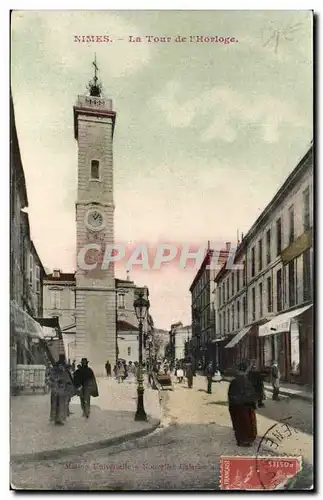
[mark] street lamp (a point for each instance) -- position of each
(141, 306)
(119, 292)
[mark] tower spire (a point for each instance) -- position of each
(94, 86)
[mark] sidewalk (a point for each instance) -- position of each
(290, 390)
(111, 422)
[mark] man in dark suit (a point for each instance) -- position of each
(257, 381)
(85, 382)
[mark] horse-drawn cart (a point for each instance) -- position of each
(165, 381)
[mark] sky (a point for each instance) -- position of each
(205, 134)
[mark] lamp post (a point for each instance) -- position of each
(141, 306)
(119, 292)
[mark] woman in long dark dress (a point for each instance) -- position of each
(242, 404)
(189, 375)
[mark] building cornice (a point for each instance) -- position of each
(55, 284)
(96, 203)
(206, 262)
(95, 289)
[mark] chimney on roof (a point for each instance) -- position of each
(228, 246)
(128, 275)
(56, 273)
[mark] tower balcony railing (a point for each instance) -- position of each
(94, 102)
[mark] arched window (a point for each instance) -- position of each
(95, 169)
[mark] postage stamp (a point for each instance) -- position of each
(257, 473)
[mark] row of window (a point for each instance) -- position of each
(55, 299)
(204, 279)
(230, 318)
(279, 235)
(233, 284)
(206, 318)
(227, 289)
(234, 317)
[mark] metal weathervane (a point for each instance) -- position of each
(94, 86)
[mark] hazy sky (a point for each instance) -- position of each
(205, 133)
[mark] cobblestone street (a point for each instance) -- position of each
(183, 454)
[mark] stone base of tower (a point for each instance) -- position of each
(96, 328)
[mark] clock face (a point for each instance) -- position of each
(95, 220)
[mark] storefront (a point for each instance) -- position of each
(29, 350)
(287, 339)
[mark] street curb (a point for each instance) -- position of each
(303, 397)
(105, 443)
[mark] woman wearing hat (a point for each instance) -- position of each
(242, 404)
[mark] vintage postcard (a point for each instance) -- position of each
(161, 279)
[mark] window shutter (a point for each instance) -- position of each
(31, 271)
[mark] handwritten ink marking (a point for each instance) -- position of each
(276, 35)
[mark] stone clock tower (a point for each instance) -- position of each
(94, 121)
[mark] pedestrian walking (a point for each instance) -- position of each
(61, 389)
(70, 389)
(132, 372)
(180, 375)
(256, 380)
(217, 377)
(85, 382)
(242, 404)
(189, 375)
(209, 376)
(125, 367)
(275, 380)
(120, 371)
(108, 368)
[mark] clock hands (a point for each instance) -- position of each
(95, 219)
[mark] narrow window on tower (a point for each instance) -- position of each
(95, 169)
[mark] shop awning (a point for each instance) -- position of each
(238, 337)
(23, 324)
(281, 323)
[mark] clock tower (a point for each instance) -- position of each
(94, 121)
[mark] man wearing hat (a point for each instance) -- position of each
(85, 382)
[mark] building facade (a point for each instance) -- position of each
(127, 322)
(26, 269)
(178, 337)
(59, 301)
(128, 341)
(203, 345)
(267, 303)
